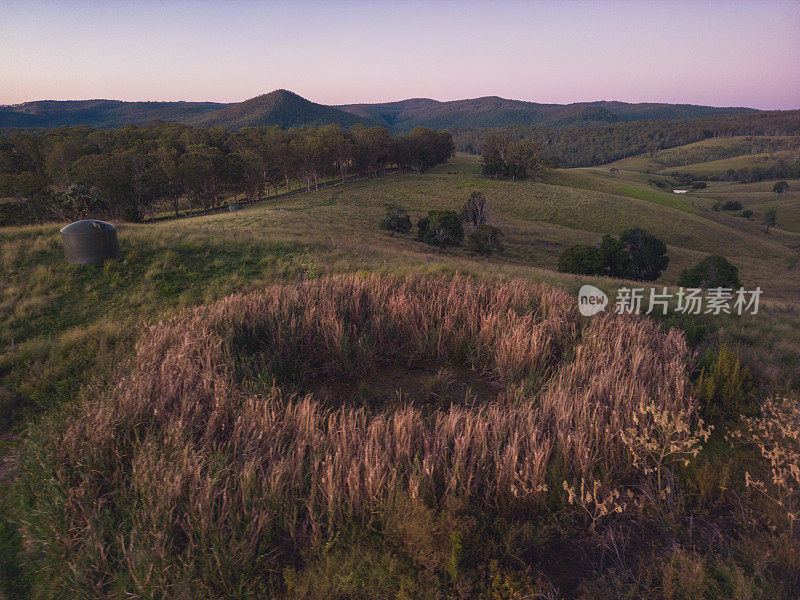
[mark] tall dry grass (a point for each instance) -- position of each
(204, 473)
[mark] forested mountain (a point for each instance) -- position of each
(282, 108)
(287, 109)
(589, 146)
(492, 111)
(103, 114)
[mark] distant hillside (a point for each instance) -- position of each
(104, 114)
(492, 111)
(598, 145)
(281, 107)
(287, 109)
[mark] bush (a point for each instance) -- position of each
(700, 185)
(780, 187)
(648, 254)
(724, 385)
(581, 260)
(396, 220)
(712, 271)
(732, 205)
(485, 240)
(441, 228)
(747, 213)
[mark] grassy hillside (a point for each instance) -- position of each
(737, 153)
(190, 422)
(685, 158)
(716, 169)
(50, 308)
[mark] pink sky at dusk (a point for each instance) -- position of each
(335, 52)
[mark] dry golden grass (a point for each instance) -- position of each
(203, 460)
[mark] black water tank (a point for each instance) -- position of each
(89, 241)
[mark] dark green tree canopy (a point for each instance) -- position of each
(134, 169)
(581, 260)
(396, 220)
(616, 259)
(712, 271)
(648, 254)
(441, 228)
(485, 240)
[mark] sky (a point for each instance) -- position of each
(720, 53)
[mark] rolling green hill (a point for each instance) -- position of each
(175, 263)
(739, 155)
(749, 150)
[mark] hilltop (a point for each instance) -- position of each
(282, 108)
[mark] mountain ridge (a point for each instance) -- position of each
(288, 109)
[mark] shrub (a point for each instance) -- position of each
(776, 434)
(747, 213)
(485, 240)
(724, 385)
(396, 220)
(713, 271)
(581, 260)
(732, 205)
(780, 187)
(648, 254)
(700, 185)
(441, 228)
(770, 219)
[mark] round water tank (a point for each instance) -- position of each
(89, 241)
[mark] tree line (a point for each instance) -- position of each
(597, 145)
(128, 173)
